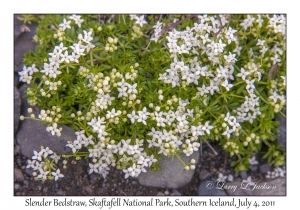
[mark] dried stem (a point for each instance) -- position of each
(212, 149)
(173, 25)
(221, 27)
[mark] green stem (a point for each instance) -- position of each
(178, 157)
(212, 115)
(236, 96)
(97, 49)
(239, 83)
(91, 55)
(283, 114)
(267, 143)
(262, 98)
(69, 40)
(262, 83)
(81, 154)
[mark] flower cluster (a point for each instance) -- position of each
(133, 98)
(43, 164)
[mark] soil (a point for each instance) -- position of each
(78, 182)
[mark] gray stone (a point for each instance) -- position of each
(17, 25)
(16, 80)
(281, 138)
(253, 168)
(18, 175)
(88, 189)
(171, 175)
(175, 193)
(17, 149)
(24, 103)
(32, 134)
(160, 194)
(264, 168)
(237, 188)
(271, 188)
(17, 186)
(22, 43)
(210, 188)
(243, 174)
(261, 188)
(26, 182)
(61, 193)
(17, 109)
(93, 177)
(29, 171)
(139, 193)
(204, 174)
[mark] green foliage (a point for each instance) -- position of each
(220, 104)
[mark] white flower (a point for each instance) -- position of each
(30, 164)
(227, 85)
(93, 168)
(221, 178)
(65, 24)
(37, 155)
(122, 92)
(132, 116)
(247, 22)
(243, 74)
(260, 42)
(47, 151)
(140, 20)
(132, 88)
(55, 157)
(43, 174)
(207, 127)
(77, 19)
(87, 36)
(249, 181)
(57, 174)
(252, 161)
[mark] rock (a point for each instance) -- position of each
(253, 168)
(264, 168)
(32, 135)
(243, 174)
(204, 174)
(175, 193)
(17, 186)
(17, 109)
(139, 193)
(18, 175)
(29, 171)
(93, 177)
(88, 189)
(160, 194)
(171, 175)
(22, 43)
(281, 138)
(25, 182)
(16, 80)
(24, 103)
(167, 192)
(236, 188)
(276, 187)
(211, 189)
(17, 149)
(61, 193)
